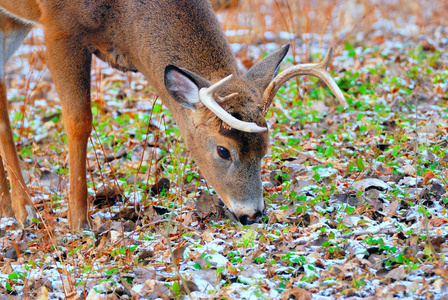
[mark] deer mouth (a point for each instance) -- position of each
(246, 220)
(243, 219)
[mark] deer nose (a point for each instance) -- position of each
(247, 220)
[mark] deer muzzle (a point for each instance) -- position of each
(248, 212)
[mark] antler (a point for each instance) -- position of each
(319, 70)
(207, 98)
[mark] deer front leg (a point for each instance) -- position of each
(5, 197)
(12, 33)
(69, 64)
(19, 201)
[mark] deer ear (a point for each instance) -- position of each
(266, 69)
(184, 86)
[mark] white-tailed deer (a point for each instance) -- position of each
(181, 49)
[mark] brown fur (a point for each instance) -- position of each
(146, 36)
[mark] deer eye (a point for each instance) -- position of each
(223, 153)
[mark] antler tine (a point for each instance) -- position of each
(226, 98)
(319, 70)
(206, 95)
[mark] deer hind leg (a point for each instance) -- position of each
(12, 33)
(69, 63)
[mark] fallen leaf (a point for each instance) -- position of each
(93, 295)
(295, 293)
(207, 236)
(43, 294)
(277, 216)
(369, 183)
(205, 204)
(428, 175)
(397, 273)
(437, 222)
(408, 170)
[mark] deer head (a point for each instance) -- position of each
(228, 134)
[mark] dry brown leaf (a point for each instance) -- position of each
(206, 204)
(93, 295)
(6, 268)
(439, 284)
(231, 269)
(207, 236)
(441, 271)
(428, 175)
(397, 273)
(437, 222)
(310, 146)
(73, 296)
(194, 255)
(295, 293)
(391, 210)
(43, 294)
(277, 216)
(399, 288)
(408, 170)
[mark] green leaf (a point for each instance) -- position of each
(329, 152)
(175, 288)
(248, 237)
(157, 108)
(351, 50)
(360, 164)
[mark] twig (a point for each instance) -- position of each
(176, 266)
(6, 293)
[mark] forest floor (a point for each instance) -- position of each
(357, 199)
